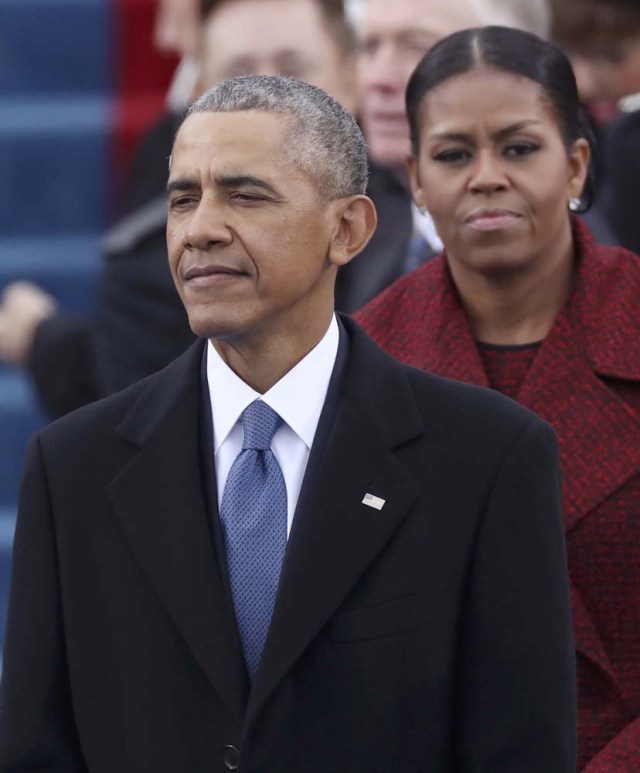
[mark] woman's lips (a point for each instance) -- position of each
(492, 220)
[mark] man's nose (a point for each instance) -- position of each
(488, 172)
(207, 227)
(382, 68)
(267, 67)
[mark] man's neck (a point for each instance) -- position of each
(262, 361)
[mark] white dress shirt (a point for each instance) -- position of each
(298, 398)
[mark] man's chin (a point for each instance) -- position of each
(390, 152)
(212, 326)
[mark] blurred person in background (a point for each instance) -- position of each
(176, 27)
(140, 324)
(621, 162)
(524, 301)
(621, 158)
(58, 350)
(309, 40)
(392, 37)
(602, 38)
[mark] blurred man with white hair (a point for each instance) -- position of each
(393, 37)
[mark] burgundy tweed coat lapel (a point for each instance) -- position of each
(420, 321)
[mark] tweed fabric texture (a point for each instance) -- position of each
(253, 513)
(506, 367)
(585, 381)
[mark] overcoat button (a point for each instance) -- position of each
(230, 757)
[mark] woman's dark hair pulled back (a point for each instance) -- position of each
(512, 51)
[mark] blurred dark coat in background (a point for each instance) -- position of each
(621, 194)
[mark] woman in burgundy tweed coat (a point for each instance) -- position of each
(523, 301)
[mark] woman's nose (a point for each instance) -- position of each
(488, 172)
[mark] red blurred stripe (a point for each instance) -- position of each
(141, 76)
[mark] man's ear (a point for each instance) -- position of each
(355, 222)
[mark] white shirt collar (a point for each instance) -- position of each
(298, 397)
(424, 225)
(630, 103)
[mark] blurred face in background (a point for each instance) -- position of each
(607, 73)
(602, 39)
(393, 36)
(176, 26)
(276, 37)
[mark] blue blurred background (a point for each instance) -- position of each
(79, 81)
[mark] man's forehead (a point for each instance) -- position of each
(285, 15)
(436, 17)
(250, 138)
(231, 128)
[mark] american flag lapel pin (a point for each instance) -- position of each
(370, 500)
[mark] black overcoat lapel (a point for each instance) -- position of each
(335, 537)
(158, 499)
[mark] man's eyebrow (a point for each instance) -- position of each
(181, 184)
(246, 181)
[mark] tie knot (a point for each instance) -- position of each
(260, 423)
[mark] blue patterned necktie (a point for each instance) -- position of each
(253, 513)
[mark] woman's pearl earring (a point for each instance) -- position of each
(574, 204)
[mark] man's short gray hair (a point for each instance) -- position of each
(324, 140)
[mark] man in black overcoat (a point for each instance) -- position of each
(419, 619)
